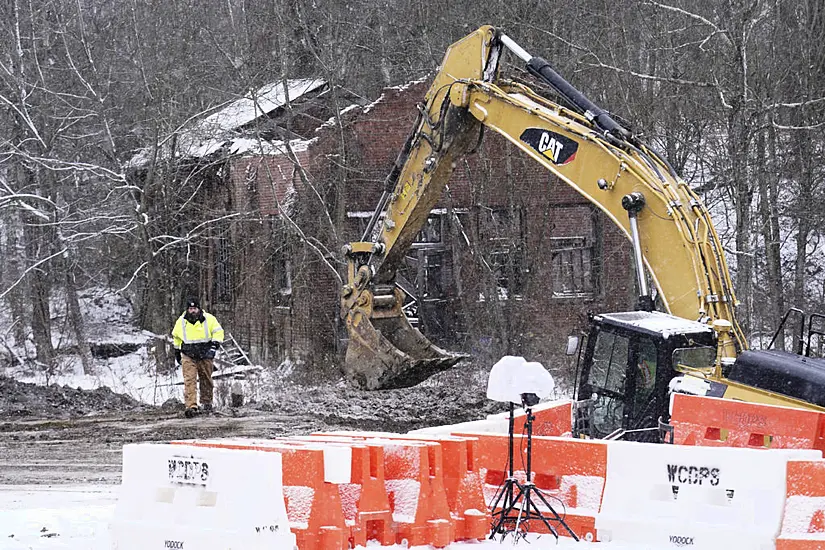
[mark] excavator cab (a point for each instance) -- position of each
(634, 360)
(627, 367)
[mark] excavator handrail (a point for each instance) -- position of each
(812, 331)
(781, 328)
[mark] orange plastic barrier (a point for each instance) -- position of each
(313, 505)
(459, 476)
(370, 512)
(416, 490)
(553, 418)
(715, 422)
(365, 503)
(415, 485)
(465, 493)
(803, 522)
(570, 472)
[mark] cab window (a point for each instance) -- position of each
(609, 362)
(607, 382)
(646, 369)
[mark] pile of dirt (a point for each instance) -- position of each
(20, 399)
(448, 398)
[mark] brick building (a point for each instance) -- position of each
(511, 260)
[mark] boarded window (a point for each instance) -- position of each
(281, 282)
(572, 267)
(501, 233)
(280, 266)
(574, 251)
(223, 270)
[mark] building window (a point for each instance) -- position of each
(572, 267)
(424, 275)
(251, 187)
(279, 266)
(281, 283)
(501, 233)
(431, 233)
(424, 264)
(223, 271)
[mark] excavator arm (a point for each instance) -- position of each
(670, 228)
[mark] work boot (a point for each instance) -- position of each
(206, 407)
(191, 412)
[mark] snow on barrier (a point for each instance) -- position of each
(551, 418)
(704, 498)
(715, 422)
(364, 499)
(455, 469)
(415, 487)
(182, 497)
(311, 476)
(570, 473)
(803, 523)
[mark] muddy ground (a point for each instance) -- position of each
(59, 435)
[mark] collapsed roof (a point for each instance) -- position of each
(238, 127)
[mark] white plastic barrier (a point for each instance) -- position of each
(672, 496)
(182, 497)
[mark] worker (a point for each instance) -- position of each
(646, 375)
(197, 336)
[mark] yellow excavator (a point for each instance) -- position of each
(631, 359)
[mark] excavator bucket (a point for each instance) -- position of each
(388, 353)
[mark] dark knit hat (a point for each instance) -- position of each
(193, 302)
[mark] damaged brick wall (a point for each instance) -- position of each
(301, 322)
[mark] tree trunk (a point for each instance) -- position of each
(769, 225)
(41, 319)
(742, 197)
(38, 248)
(11, 269)
(803, 213)
(76, 322)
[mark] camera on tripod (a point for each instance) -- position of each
(516, 381)
(529, 400)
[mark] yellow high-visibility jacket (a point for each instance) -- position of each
(193, 339)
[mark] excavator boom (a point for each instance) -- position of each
(580, 143)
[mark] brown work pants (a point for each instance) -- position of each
(199, 370)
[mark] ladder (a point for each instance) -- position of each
(232, 354)
(237, 376)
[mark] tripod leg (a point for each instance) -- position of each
(538, 515)
(523, 511)
(556, 516)
(505, 496)
(503, 493)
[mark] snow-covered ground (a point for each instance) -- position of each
(77, 518)
(108, 323)
(34, 517)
